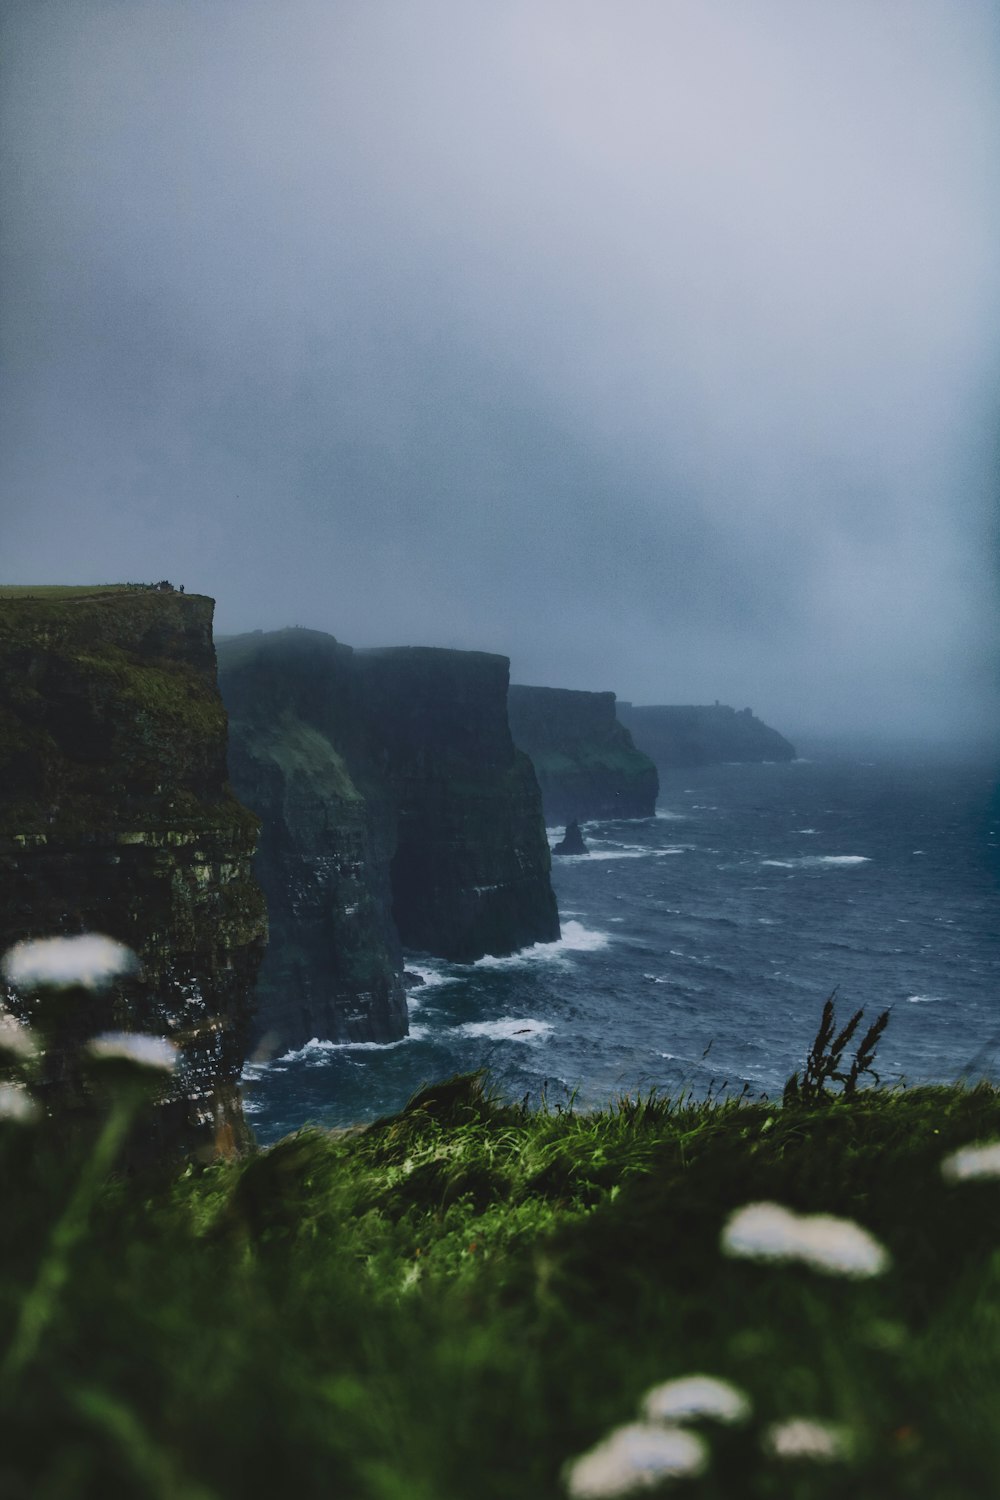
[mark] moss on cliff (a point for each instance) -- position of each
(333, 968)
(116, 815)
(585, 760)
(396, 811)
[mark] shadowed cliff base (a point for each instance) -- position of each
(585, 760)
(396, 812)
(116, 816)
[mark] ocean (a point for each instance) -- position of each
(698, 947)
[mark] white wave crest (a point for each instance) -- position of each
(812, 861)
(575, 939)
(508, 1029)
(431, 977)
(315, 1049)
(922, 999)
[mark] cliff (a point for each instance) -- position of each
(586, 763)
(470, 875)
(694, 735)
(299, 755)
(395, 811)
(116, 816)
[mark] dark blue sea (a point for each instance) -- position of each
(698, 947)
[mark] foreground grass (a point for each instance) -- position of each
(455, 1301)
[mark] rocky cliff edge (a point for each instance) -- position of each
(116, 816)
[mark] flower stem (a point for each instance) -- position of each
(39, 1305)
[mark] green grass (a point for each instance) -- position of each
(453, 1302)
(58, 590)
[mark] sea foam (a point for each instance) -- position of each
(316, 1051)
(508, 1029)
(812, 861)
(624, 851)
(575, 939)
(431, 977)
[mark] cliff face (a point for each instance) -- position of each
(299, 755)
(697, 736)
(471, 871)
(586, 763)
(116, 816)
(395, 811)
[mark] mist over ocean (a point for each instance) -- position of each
(698, 948)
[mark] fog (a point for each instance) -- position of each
(653, 344)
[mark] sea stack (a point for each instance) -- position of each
(572, 840)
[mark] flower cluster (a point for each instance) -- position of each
(972, 1163)
(89, 962)
(641, 1455)
(839, 1247)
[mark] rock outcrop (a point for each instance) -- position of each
(695, 735)
(586, 763)
(116, 816)
(571, 842)
(396, 812)
(470, 875)
(299, 755)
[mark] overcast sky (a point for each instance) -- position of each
(653, 343)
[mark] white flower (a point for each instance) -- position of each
(17, 1105)
(801, 1437)
(634, 1458)
(695, 1396)
(766, 1231)
(89, 961)
(16, 1042)
(972, 1162)
(135, 1047)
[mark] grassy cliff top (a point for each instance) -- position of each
(112, 711)
(459, 1299)
(77, 590)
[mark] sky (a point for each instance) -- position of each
(652, 343)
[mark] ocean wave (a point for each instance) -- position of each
(625, 851)
(316, 1050)
(810, 861)
(431, 977)
(671, 817)
(508, 1029)
(575, 939)
(922, 999)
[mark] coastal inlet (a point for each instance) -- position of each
(698, 946)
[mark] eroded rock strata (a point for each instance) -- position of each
(470, 875)
(396, 811)
(116, 816)
(299, 754)
(585, 760)
(698, 735)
